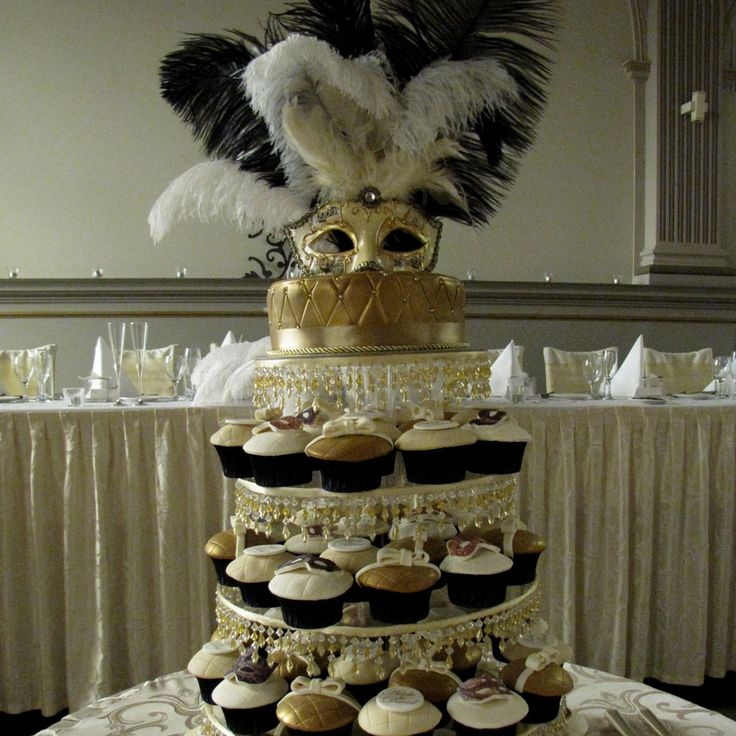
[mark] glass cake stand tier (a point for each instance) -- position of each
(384, 379)
(485, 498)
(446, 629)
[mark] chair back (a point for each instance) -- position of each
(155, 380)
(563, 370)
(681, 372)
(9, 381)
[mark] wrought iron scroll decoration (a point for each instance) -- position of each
(277, 256)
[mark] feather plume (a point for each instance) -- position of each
(218, 189)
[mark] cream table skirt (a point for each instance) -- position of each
(170, 705)
(104, 513)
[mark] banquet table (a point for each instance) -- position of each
(170, 704)
(104, 513)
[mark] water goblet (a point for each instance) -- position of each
(610, 363)
(23, 367)
(139, 338)
(192, 356)
(733, 374)
(721, 369)
(116, 333)
(174, 368)
(42, 364)
(593, 372)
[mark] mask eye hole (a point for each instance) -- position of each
(332, 242)
(403, 241)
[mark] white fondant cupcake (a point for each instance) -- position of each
(253, 571)
(310, 541)
(276, 451)
(210, 665)
(311, 591)
(366, 675)
(398, 711)
(229, 441)
(500, 445)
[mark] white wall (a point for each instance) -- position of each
(87, 145)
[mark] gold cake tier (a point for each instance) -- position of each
(366, 311)
(385, 380)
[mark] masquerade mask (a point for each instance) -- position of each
(365, 235)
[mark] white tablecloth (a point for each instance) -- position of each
(170, 705)
(104, 513)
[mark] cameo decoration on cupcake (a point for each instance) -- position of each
(483, 688)
(310, 562)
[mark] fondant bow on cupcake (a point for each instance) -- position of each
(557, 654)
(349, 425)
(316, 686)
(394, 556)
(509, 527)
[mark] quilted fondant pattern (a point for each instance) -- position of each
(399, 578)
(315, 713)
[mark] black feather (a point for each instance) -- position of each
(347, 25)
(202, 82)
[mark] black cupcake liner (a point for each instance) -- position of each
(220, 570)
(495, 458)
(542, 708)
(312, 614)
(257, 595)
(206, 686)
(462, 730)
(475, 591)
(344, 477)
(363, 693)
(524, 569)
(443, 465)
(281, 470)
(251, 721)
(391, 607)
(235, 463)
(388, 462)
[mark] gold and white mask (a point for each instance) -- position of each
(369, 234)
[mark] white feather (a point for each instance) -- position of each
(219, 189)
(446, 97)
(301, 67)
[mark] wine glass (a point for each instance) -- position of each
(42, 364)
(721, 368)
(174, 367)
(23, 367)
(139, 338)
(593, 371)
(192, 356)
(733, 373)
(116, 333)
(610, 363)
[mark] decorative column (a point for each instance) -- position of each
(682, 234)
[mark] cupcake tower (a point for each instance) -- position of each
(389, 570)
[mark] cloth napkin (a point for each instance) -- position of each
(102, 367)
(229, 339)
(627, 379)
(225, 374)
(503, 368)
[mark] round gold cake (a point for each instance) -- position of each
(366, 311)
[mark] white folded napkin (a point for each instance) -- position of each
(103, 367)
(225, 374)
(503, 368)
(627, 379)
(229, 339)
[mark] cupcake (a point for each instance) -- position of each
(475, 572)
(484, 706)
(371, 527)
(220, 548)
(433, 680)
(229, 441)
(310, 541)
(398, 585)
(435, 452)
(541, 681)
(350, 454)
(248, 695)
(253, 570)
(384, 427)
(463, 659)
(500, 443)
(276, 451)
(364, 676)
(521, 545)
(351, 555)
(435, 548)
(318, 707)
(290, 666)
(537, 638)
(399, 711)
(210, 665)
(313, 418)
(310, 591)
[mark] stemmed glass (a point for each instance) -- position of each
(192, 356)
(610, 361)
(733, 373)
(721, 368)
(593, 371)
(42, 363)
(139, 338)
(23, 367)
(116, 333)
(174, 366)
